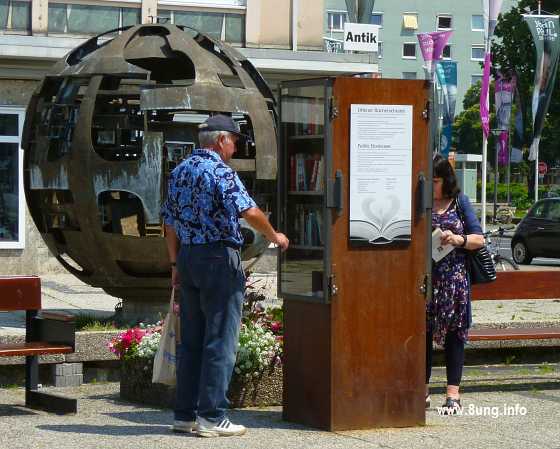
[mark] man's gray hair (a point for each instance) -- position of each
(208, 139)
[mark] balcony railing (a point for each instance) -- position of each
(333, 45)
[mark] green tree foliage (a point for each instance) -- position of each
(467, 130)
(467, 127)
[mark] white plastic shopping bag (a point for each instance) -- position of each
(165, 361)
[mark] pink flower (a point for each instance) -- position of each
(125, 341)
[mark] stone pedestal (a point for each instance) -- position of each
(142, 305)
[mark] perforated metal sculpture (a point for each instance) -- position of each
(107, 125)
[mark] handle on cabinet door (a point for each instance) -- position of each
(335, 193)
(424, 200)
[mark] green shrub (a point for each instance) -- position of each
(518, 194)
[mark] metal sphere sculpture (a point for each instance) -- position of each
(105, 128)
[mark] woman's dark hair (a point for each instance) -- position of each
(444, 170)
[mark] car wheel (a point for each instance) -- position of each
(520, 252)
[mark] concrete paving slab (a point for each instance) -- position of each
(103, 421)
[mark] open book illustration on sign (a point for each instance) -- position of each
(382, 223)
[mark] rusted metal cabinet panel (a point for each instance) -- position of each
(360, 351)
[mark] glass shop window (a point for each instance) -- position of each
(15, 15)
(12, 202)
(89, 19)
(220, 26)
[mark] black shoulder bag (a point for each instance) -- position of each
(479, 261)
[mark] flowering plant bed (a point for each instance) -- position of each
(257, 376)
(137, 386)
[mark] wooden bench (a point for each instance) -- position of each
(518, 285)
(44, 334)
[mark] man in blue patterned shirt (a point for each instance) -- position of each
(201, 216)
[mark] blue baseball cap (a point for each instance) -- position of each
(220, 122)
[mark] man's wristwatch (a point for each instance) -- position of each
(464, 241)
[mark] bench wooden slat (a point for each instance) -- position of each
(514, 333)
(20, 293)
(520, 285)
(33, 348)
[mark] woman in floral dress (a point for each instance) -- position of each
(448, 315)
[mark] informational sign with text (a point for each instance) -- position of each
(380, 174)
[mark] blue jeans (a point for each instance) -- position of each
(212, 291)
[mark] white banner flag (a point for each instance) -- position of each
(491, 9)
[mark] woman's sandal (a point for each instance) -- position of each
(452, 406)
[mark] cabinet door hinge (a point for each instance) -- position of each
(333, 289)
(333, 108)
(426, 112)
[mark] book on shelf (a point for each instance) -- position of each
(307, 226)
(306, 172)
(320, 168)
(293, 182)
(301, 172)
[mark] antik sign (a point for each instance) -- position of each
(361, 37)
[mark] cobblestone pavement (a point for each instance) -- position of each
(103, 421)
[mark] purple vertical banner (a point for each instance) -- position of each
(519, 128)
(484, 112)
(431, 47)
(440, 39)
(426, 42)
(503, 146)
(504, 97)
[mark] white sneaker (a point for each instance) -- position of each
(184, 426)
(225, 428)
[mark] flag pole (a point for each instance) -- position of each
(537, 176)
(485, 154)
(536, 188)
(508, 175)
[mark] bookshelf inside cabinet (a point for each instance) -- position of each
(303, 187)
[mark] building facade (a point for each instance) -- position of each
(282, 38)
(400, 55)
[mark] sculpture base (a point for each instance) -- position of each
(142, 305)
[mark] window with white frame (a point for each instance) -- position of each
(376, 19)
(211, 3)
(477, 22)
(15, 15)
(446, 53)
(89, 19)
(12, 202)
(475, 79)
(410, 21)
(227, 27)
(336, 20)
(409, 50)
(444, 22)
(477, 53)
(409, 75)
